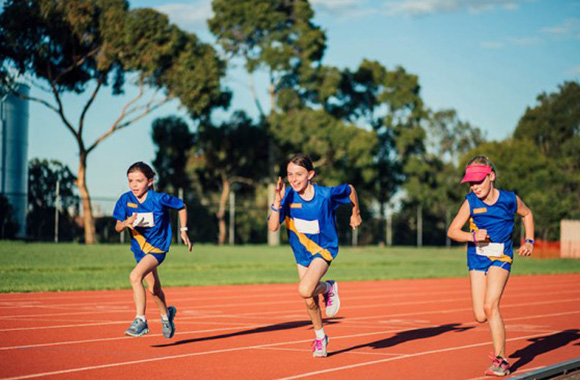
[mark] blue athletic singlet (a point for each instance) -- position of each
(498, 220)
(311, 224)
(149, 240)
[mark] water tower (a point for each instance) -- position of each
(14, 154)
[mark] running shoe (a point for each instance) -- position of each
(168, 326)
(499, 367)
(319, 347)
(331, 299)
(137, 328)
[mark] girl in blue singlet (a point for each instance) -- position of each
(308, 211)
(490, 213)
(146, 214)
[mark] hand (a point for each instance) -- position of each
(526, 249)
(481, 236)
(130, 220)
(355, 220)
(186, 241)
(280, 191)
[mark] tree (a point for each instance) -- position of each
(81, 46)
(277, 37)
(8, 227)
(43, 176)
(234, 152)
(174, 141)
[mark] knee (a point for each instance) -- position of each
(304, 291)
(135, 278)
(490, 309)
(154, 289)
(480, 317)
(311, 303)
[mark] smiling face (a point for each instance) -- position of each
(139, 183)
(299, 177)
(483, 189)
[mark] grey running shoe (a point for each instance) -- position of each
(331, 299)
(319, 347)
(499, 367)
(168, 325)
(137, 328)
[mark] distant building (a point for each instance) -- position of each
(14, 154)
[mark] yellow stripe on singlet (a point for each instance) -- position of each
(145, 247)
(310, 246)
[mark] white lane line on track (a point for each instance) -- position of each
(346, 367)
(264, 325)
(393, 294)
(285, 312)
(172, 357)
(256, 326)
(345, 353)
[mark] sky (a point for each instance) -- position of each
(487, 59)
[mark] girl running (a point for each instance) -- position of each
(490, 212)
(308, 211)
(146, 214)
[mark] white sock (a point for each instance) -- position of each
(320, 334)
(164, 317)
(141, 317)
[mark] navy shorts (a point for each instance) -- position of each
(140, 255)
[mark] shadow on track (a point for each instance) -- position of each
(259, 330)
(405, 336)
(542, 345)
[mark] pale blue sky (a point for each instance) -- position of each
(489, 62)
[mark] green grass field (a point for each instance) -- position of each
(32, 267)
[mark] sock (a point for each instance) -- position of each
(141, 317)
(320, 334)
(164, 317)
(327, 287)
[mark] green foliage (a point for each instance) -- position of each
(8, 227)
(43, 176)
(174, 141)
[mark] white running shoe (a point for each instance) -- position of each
(331, 299)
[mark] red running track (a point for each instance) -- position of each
(385, 329)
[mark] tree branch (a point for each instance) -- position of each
(87, 106)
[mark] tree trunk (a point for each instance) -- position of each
(273, 236)
(222, 211)
(89, 221)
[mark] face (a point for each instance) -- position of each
(138, 183)
(483, 188)
(299, 177)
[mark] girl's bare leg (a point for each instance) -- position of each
(496, 281)
(154, 287)
(310, 287)
(143, 268)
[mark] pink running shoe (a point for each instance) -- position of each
(319, 347)
(331, 299)
(499, 367)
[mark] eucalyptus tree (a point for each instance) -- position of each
(173, 141)
(226, 155)
(275, 37)
(82, 46)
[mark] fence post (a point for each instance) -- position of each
(56, 204)
(420, 226)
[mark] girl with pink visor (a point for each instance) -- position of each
(490, 212)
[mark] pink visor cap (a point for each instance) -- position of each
(476, 173)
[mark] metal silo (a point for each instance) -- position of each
(14, 154)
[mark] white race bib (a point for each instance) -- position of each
(490, 249)
(307, 226)
(144, 219)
